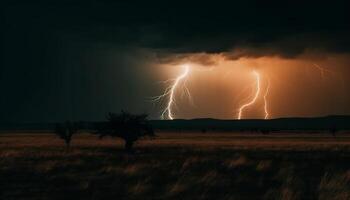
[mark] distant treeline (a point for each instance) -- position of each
(283, 124)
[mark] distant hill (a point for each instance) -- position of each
(316, 123)
(319, 123)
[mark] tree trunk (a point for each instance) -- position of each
(128, 146)
(333, 133)
(67, 146)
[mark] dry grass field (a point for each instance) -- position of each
(176, 166)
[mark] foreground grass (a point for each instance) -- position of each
(191, 166)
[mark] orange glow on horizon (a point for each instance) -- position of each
(290, 86)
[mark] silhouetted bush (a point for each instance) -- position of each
(254, 130)
(265, 131)
(126, 126)
(66, 130)
(333, 130)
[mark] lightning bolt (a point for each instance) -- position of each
(241, 109)
(170, 91)
(265, 100)
(322, 70)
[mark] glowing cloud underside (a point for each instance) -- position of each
(241, 109)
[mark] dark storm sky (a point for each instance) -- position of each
(80, 59)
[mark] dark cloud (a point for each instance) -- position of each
(280, 27)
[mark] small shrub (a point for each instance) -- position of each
(66, 131)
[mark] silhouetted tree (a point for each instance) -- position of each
(65, 131)
(254, 130)
(333, 130)
(265, 131)
(126, 126)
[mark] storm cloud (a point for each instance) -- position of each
(81, 59)
(285, 28)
